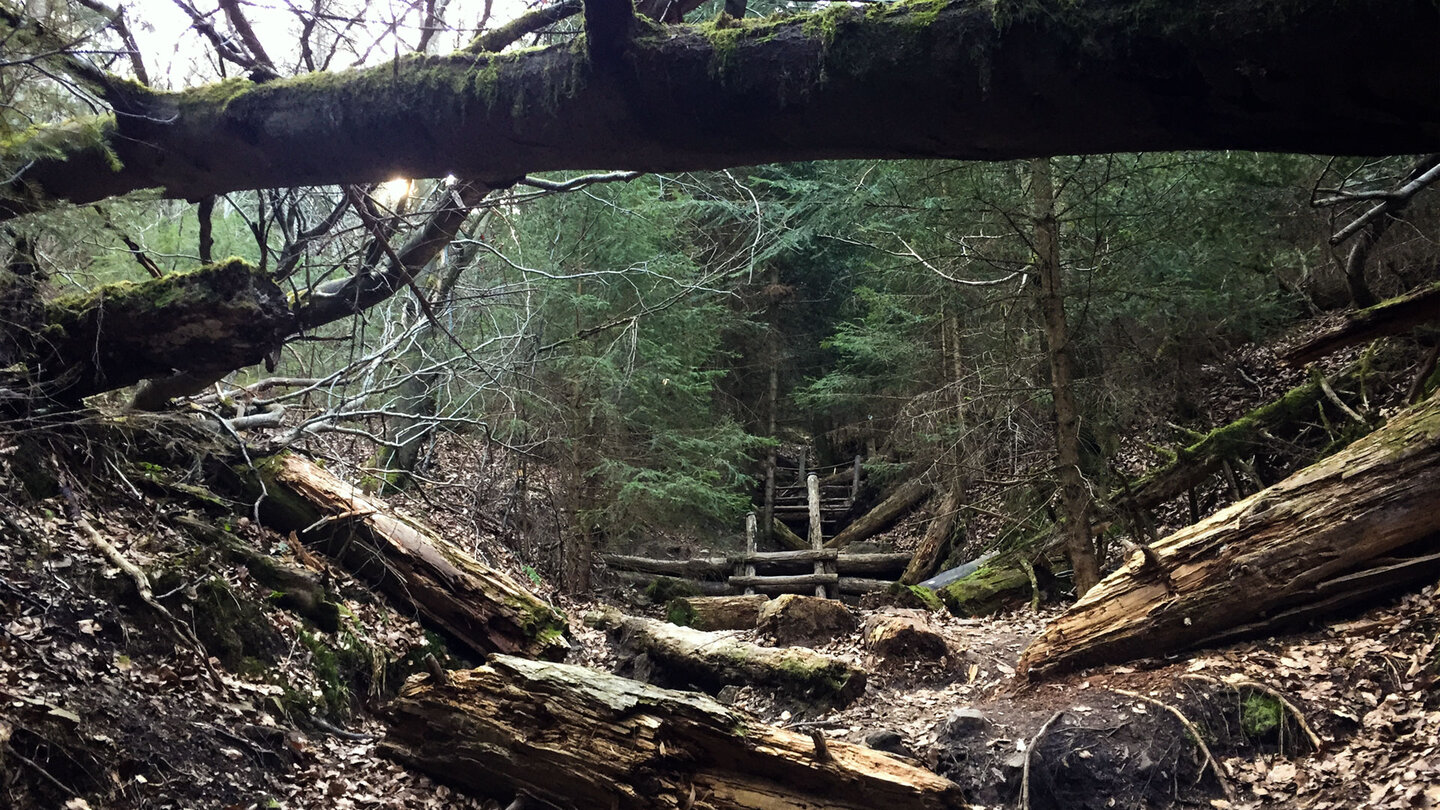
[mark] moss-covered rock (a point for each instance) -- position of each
(989, 589)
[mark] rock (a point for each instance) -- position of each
(964, 722)
(895, 636)
(889, 741)
(791, 619)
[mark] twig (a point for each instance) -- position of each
(1335, 398)
(1194, 733)
(1030, 755)
(1294, 711)
(32, 763)
(142, 585)
(1034, 585)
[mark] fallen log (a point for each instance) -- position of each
(902, 500)
(783, 535)
(694, 568)
(860, 585)
(479, 607)
(684, 657)
(1393, 317)
(1197, 462)
(1262, 555)
(570, 738)
(663, 586)
(877, 563)
(936, 542)
(716, 612)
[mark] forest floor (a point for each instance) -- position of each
(105, 703)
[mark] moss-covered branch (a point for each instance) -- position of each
(931, 78)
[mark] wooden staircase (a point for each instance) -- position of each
(839, 489)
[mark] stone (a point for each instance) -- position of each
(792, 619)
(888, 740)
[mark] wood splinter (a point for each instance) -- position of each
(822, 752)
(436, 671)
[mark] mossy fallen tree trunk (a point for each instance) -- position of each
(479, 607)
(1281, 417)
(948, 79)
(1394, 317)
(1263, 555)
(716, 612)
(217, 318)
(690, 658)
(568, 737)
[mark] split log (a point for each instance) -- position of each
(936, 542)
(716, 612)
(479, 607)
(1262, 555)
(689, 658)
(695, 568)
(902, 500)
(1394, 317)
(567, 737)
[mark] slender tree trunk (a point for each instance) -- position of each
(1074, 496)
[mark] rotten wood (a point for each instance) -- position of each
(476, 605)
(1267, 553)
(567, 737)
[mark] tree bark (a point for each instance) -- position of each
(481, 608)
(572, 738)
(947, 80)
(1074, 494)
(902, 500)
(1267, 553)
(690, 658)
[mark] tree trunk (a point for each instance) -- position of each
(902, 500)
(477, 606)
(935, 545)
(689, 658)
(1272, 551)
(952, 79)
(1074, 495)
(572, 738)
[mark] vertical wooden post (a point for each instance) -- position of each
(747, 568)
(855, 482)
(817, 541)
(800, 475)
(767, 526)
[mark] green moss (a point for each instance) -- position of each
(678, 611)
(1261, 716)
(986, 590)
(230, 626)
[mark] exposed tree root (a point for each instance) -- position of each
(1194, 735)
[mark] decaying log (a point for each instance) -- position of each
(686, 657)
(799, 582)
(1394, 317)
(902, 500)
(786, 537)
(569, 737)
(1265, 554)
(716, 612)
(474, 604)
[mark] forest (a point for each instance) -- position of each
(617, 403)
